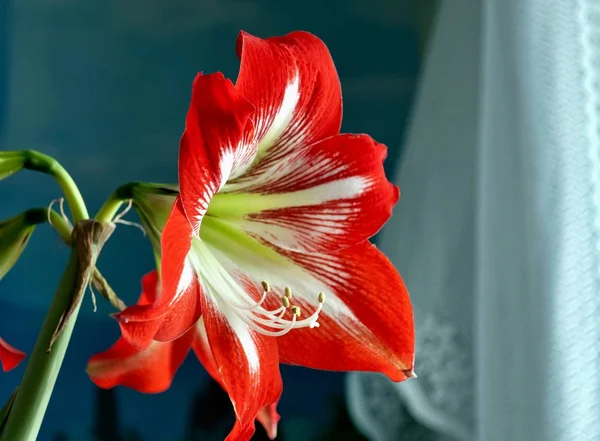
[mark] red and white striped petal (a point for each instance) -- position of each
(247, 362)
(177, 306)
(202, 350)
(268, 416)
(379, 336)
(9, 356)
(150, 370)
(217, 144)
(319, 198)
(365, 322)
(294, 85)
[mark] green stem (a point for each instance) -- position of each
(25, 417)
(46, 164)
(61, 226)
(43, 215)
(109, 210)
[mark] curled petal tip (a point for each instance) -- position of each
(269, 418)
(118, 316)
(410, 373)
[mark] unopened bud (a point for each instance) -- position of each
(14, 235)
(152, 203)
(11, 163)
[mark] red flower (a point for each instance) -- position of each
(9, 356)
(272, 197)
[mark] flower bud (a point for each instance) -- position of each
(11, 162)
(152, 203)
(14, 235)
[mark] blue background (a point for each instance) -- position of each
(103, 86)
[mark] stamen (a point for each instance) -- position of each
(258, 304)
(258, 317)
(321, 299)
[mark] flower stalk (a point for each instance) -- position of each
(25, 418)
(36, 161)
(30, 404)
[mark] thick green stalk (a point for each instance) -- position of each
(109, 210)
(46, 164)
(27, 413)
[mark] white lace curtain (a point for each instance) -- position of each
(497, 233)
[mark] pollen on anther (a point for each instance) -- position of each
(295, 310)
(265, 286)
(285, 301)
(287, 292)
(321, 297)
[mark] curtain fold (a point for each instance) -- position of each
(497, 231)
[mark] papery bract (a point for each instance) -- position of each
(267, 244)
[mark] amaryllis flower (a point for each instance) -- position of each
(151, 370)
(267, 242)
(9, 356)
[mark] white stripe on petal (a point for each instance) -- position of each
(347, 188)
(284, 115)
(186, 279)
(244, 335)
(242, 204)
(226, 166)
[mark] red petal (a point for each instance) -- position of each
(217, 143)
(320, 198)
(202, 350)
(268, 416)
(248, 365)
(366, 319)
(380, 338)
(300, 64)
(177, 309)
(9, 356)
(150, 370)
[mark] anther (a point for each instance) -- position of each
(265, 286)
(321, 297)
(287, 292)
(285, 301)
(295, 310)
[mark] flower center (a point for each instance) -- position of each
(224, 278)
(271, 322)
